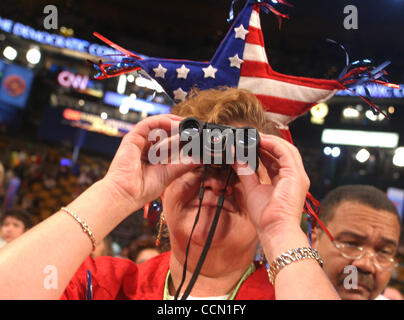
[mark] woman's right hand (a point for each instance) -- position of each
(131, 175)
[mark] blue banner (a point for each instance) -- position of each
(15, 85)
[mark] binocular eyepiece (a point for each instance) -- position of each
(219, 145)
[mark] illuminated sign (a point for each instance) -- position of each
(318, 113)
(78, 82)
(68, 79)
(92, 122)
(136, 104)
(360, 138)
(56, 40)
(375, 91)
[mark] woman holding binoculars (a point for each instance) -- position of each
(263, 207)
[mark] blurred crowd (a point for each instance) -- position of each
(36, 180)
(45, 179)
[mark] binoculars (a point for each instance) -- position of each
(219, 145)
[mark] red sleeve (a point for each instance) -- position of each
(112, 278)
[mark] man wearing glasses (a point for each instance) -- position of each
(366, 227)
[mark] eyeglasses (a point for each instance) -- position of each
(382, 260)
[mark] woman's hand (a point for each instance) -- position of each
(131, 173)
(277, 206)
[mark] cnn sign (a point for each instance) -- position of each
(68, 79)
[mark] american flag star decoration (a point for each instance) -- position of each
(241, 61)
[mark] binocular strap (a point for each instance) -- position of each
(208, 239)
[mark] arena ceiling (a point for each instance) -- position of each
(193, 29)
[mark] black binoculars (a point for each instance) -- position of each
(219, 145)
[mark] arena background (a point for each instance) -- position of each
(61, 133)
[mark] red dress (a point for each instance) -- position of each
(122, 279)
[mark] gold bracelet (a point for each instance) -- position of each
(84, 225)
(290, 256)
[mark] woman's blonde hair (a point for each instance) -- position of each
(224, 106)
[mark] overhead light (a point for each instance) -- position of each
(399, 150)
(143, 114)
(360, 138)
(370, 115)
(398, 158)
(362, 156)
(124, 108)
(150, 84)
(121, 84)
(104, 115)
(350, 113)
(318, 113)
(10, 53)
(381, 117)
(130, 78)
(391, 109)
(327, 151)
(319, 110)
(127, 103)
(33, 56)
(142, 82)
(67, 32)
(335, 152)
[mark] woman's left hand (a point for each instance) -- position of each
(278, 205)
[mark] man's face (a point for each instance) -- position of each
(357, 224)
(11, 229)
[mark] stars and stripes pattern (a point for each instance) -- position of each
(178, 77)
(240, 61)
(283, 97)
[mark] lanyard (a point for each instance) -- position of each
(232, 294)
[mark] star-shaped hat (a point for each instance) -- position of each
(241, 61)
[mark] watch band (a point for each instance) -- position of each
(290, 256)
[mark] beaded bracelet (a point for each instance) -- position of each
(83, 224)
